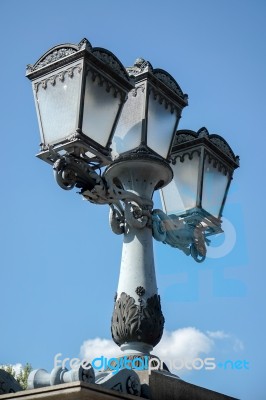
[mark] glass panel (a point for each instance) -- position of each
(58, 104)
(128, 132)
(100, 110)
(214, 187)
(181, 193)
(161, 124)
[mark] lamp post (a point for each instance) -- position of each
(94, 113)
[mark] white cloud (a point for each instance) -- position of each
(232, 341)
(184, 345)
(17, 368)
(97, 347)
(218, 335)
(187, 344)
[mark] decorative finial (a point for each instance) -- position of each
(203, 132)
(139, 62)
(84, 44)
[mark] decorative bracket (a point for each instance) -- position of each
(186, 236)
(127, 208)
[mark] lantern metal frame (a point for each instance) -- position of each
(206, 145)
(105, 67)
(190, 230)
(164, 88)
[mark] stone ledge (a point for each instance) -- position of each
(69, 391)
(156, 386)
(162, 385)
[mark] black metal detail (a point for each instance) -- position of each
(131, 322)
(118, 387)
(61, 76)
(217, 164)
(163, 76)
(163, 100)
(74, 52)
(140, 291)
(84, 44)
(71, 171)
(110, 59)
(133, 386)
(58, 52)
(219, 142)
(87, 374)
(141, 152)
(109, 87)
(187, 135)
(182, 156)
(115, 297)
(139, 66)
(53, 56)
(169, 81)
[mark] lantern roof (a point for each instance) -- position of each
(186, 139)
(160, 78)
(63, 54)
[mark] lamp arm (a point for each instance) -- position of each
(179, 234)
(71, 171)
(169, 232)
(128, 207)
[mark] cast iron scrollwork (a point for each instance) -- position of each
(127, 209)
(70, 171)
(131, 213)
(116, 219)
(133, 386)
(188, 237)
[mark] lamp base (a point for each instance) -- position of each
(139, 173)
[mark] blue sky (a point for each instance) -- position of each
(59, 259)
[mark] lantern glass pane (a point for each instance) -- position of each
(129, 128)
(57, 101)
(161, 125)
(100, 110)
(181, 193)
(214, 188)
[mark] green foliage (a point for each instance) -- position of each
(9, 369)
(22, 377)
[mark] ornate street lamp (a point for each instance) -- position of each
(92, 113)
